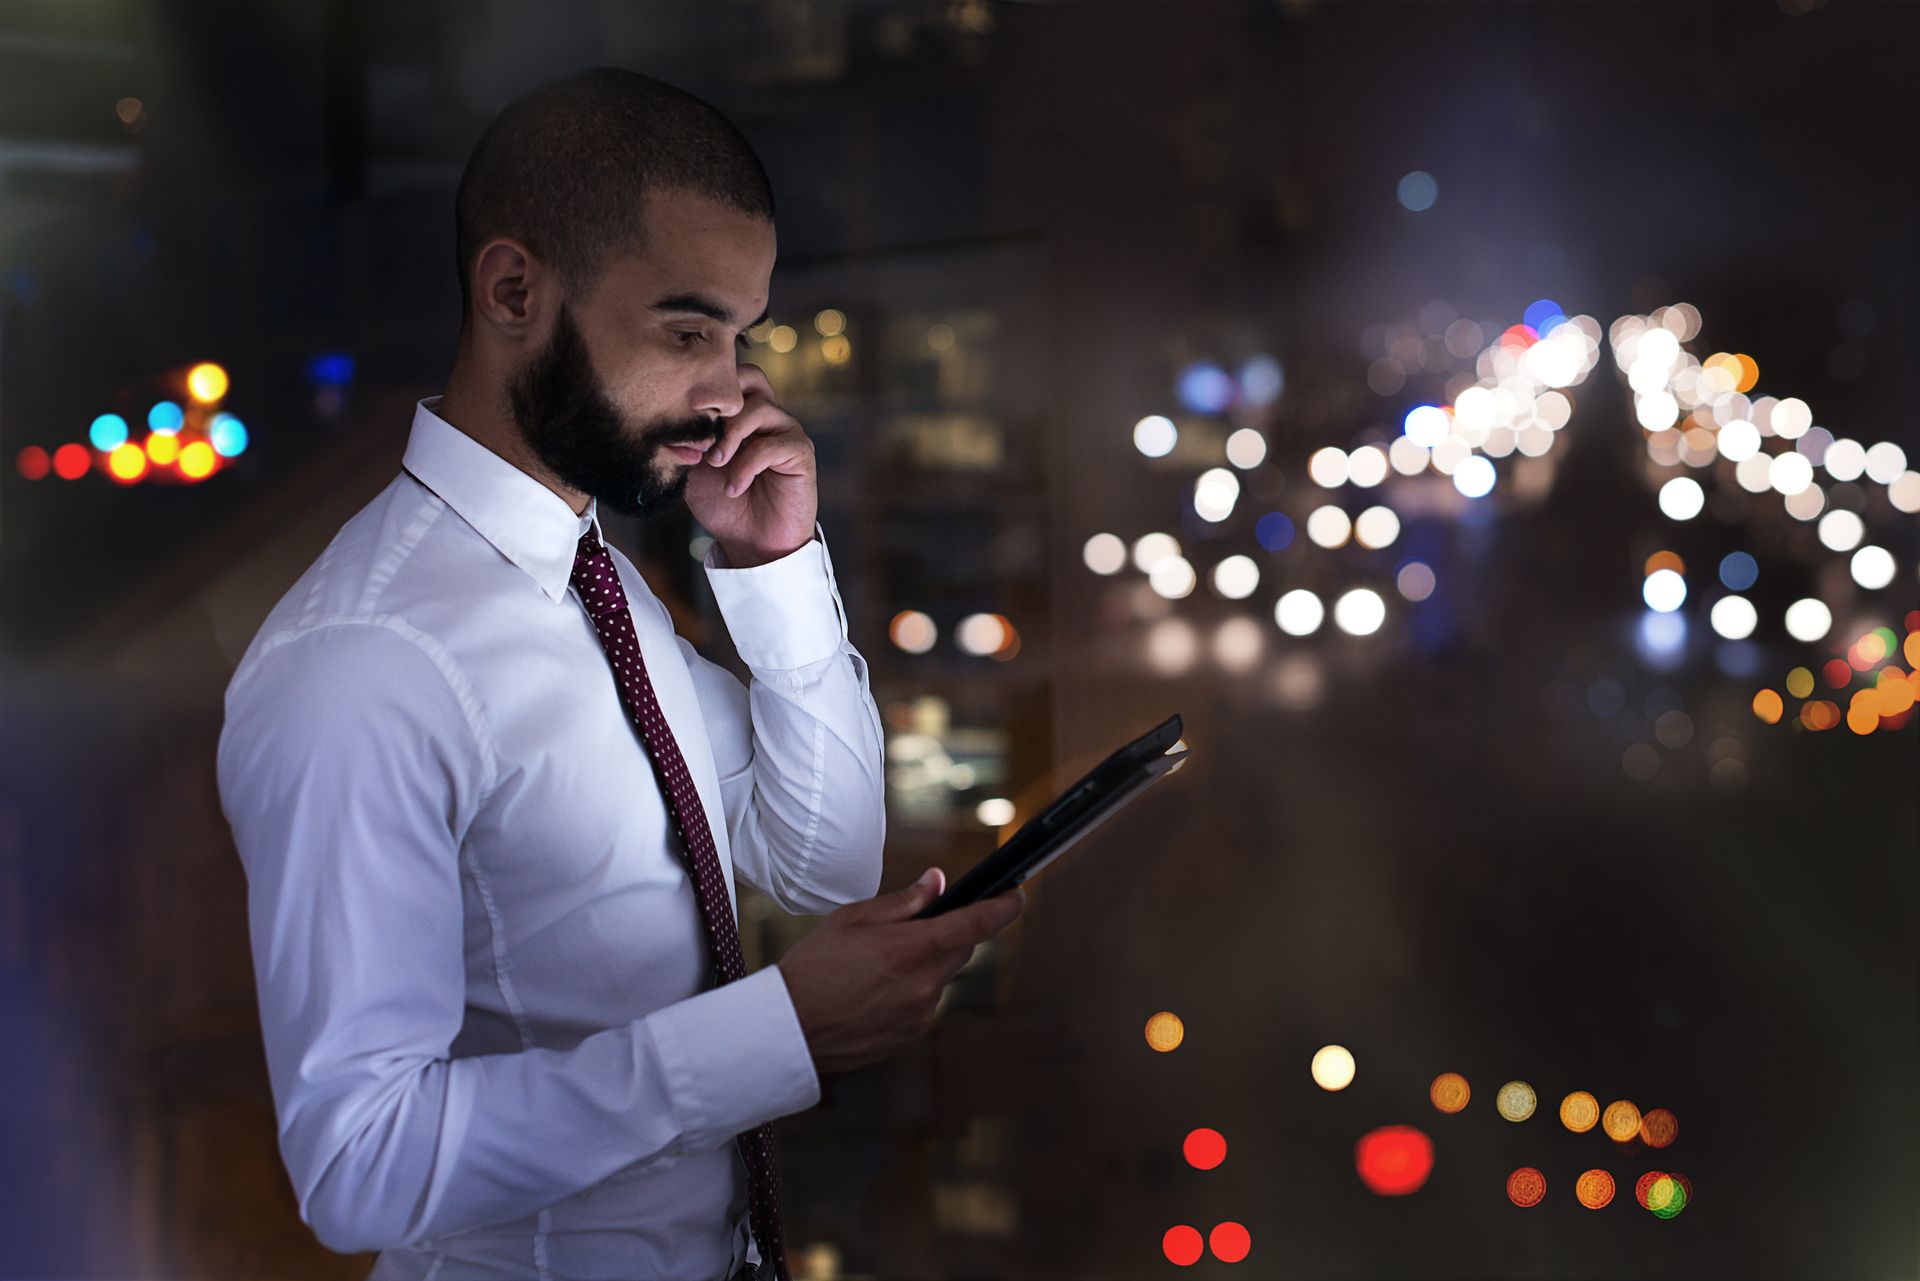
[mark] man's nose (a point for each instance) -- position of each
(720, 394)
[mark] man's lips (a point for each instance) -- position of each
(691, 453)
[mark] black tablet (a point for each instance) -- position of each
(1074, 813)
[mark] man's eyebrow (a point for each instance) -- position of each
(702, 305)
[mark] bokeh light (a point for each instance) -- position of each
(1230, 1242)
(71, 461)
(912, 631)
(108, 432)
(1664, 591)
(166, 416)
(1183, 1245)
(1204, 1148)
(1515, 1101)
(1299, 612)
(1579, 1111)
(1808, 620)
(995, 811)
(1165, 1031)
(1621, 1120)
(1659, 1128)
(1329, 527)
(1682, 498)
(1393, 1160)
(1246, 448)
(1105, 554)
(1734, 617)
(1150, 549)
(227, 435)
(1236, 577)
(1526, 1187)
(1738, 571)
(1333, 1067)
(206, 382)
(1415, 580)
(1417, 191)
(1449, 1092)
(1594, 1189)
(1155, 436)
(1359, 612)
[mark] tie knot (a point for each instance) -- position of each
(595, 577)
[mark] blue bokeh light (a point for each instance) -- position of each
(1739, 571)
(1543, 315)
(1205, 388)
(1418, 191)
(1261, 380)
(1662, 639)
(331, 369)
(166, 417)
(108, 432)
(1274, 531)
(227, 435)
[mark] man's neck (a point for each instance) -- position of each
(479, 408)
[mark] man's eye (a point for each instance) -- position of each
(684, 334)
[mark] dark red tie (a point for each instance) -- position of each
(598, 583)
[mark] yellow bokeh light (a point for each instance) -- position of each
(783, 339)
(837, 350)
(1579, 1111)
(1333, 1067)
(940, 337)
(1768, 706)
(1516, 1101)
(1449, 1092)
(1165, 1031)
(127, 461)
(830, 322)
(206, 382)
(1621, 1120)
(1799, 682)
(197, 460)
(163, 447)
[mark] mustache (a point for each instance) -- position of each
(685, 432)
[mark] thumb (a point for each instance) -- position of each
(904, 902)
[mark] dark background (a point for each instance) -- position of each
(1429, 845)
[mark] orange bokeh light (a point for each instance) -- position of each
(1621, 1120)
(1449, 1092)
(1165, 1031)
(1863, 713)
(1819, 714)
(1659, 1127)
(1579, 1111)
(1893, 691)
(1767, 705)
(1664, 560)
(1595, 1189)
(1912, 650)
(1526, 1187)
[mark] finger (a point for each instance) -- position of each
(786, 452)
(757, 414)
(903, 903)
(965, 926)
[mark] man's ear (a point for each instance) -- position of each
(509, 288)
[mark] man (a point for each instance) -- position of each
(491, 807)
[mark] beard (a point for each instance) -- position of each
(579, 434)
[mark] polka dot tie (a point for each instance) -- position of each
(598, 583)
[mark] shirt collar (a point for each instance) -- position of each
(527, 522)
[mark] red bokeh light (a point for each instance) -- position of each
(70, 461)
(1393, 1160)
(1182, 1245)
(33, 462)
(1526, 1187)
(1205, 1149)
(1644, 1185)
(1839, 673)
(1230, 1242)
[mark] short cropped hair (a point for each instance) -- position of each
(566, 168)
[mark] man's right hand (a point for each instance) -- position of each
(866, 981)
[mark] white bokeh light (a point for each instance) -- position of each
(1682, 498)
(1215, 493)
(1845, 459)
(1734, 617)
(1329, 527)
(1789, 473)
(1664, 591)
(1105, 554)
(1246, 449)
(1172, 577)
(1428, 425)
(1885, 462)
(1154, 436)
(1474, 476)
(1328, 467)
(1738, 440)
(1360, 612)
(1367, 466)
(1299, 612)
(1841, 530)
(1808, 619)
(1236, 577)
(1872, 567)
(1376, 527)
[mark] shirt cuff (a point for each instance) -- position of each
(782, 614)
(734, 1057)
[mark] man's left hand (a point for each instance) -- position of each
(756, 491)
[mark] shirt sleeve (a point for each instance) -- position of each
(350, 764)
(799, 750)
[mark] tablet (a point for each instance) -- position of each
(1074, 813)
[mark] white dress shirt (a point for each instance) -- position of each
(481, 969)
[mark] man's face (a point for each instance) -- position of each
(634, 380)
